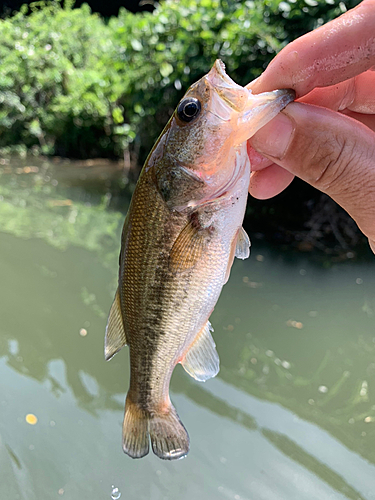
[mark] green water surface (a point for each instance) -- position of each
(291, 415)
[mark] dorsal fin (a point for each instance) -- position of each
(202, 360)
(115, 337)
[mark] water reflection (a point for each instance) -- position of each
(323, 371)
(291, 335)
(326, 474)
(64, 207)
(42, 314)
(307, 444)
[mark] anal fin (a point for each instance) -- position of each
(202, 360)
(115, 337)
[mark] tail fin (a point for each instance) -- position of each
(169, 437)
(135, 437)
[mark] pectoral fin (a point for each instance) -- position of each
(115, 337)
(202, 360)
(188, 248)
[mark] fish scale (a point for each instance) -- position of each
(181, 234)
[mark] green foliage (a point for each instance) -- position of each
(294, 18)
(55, 89)
(74, 85)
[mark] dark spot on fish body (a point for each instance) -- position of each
(194, 219)
(155, 295)
(203, 220)
(165, 190)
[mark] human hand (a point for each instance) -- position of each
(332, 147)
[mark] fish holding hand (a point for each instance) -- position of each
(181, 234)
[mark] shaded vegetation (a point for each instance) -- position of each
(75, 85)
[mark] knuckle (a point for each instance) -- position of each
(331, 163)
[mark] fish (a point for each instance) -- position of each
(181, 234)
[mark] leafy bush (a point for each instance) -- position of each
(73, 85)
(54, 85)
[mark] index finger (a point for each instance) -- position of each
(341, 49)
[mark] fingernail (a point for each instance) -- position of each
(273, 139)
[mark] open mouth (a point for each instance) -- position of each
(258, 108)
(261, 108)
(232, 94)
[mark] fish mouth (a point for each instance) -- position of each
(253, 111)
(228, 90)
(260, 109)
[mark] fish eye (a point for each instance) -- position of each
(188, 109)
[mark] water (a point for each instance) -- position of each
(115, 494)
(291, 416)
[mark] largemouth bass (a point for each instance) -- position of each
(181, 234)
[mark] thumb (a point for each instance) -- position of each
(330, 151)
